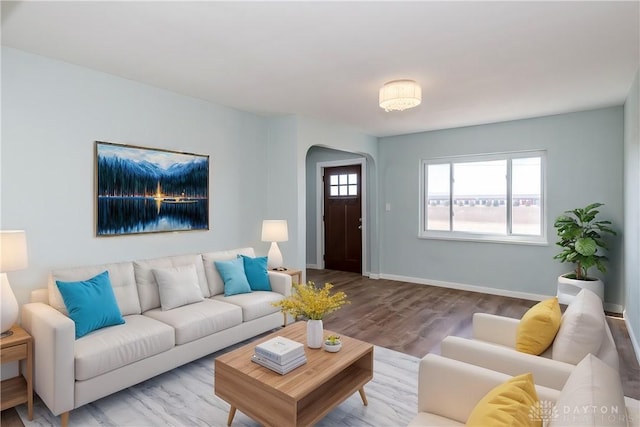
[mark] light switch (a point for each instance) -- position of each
(387, 207)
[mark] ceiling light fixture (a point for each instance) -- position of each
(399, 95)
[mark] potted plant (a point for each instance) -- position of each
(312, 303)
(332, 343)
(580, 237)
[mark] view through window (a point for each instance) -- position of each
(493, 195)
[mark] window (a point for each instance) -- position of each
(345, 185)
(498, 197)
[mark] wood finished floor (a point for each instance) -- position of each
(414, 319)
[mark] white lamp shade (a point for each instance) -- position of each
(275, 230)
(399, 95)
(13, 250)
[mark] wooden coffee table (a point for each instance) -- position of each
(303, 396)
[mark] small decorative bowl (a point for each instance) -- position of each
(332, 348)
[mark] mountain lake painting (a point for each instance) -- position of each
(145, 190)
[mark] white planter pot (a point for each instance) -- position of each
(569, 288)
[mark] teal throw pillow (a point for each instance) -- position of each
(256, 272)
(91, 303)
(232, 273)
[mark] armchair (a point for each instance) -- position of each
(449, 390)
(493, 345)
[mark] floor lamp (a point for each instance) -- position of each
(274, 230)
(13, 256)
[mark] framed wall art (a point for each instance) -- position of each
(149, 190)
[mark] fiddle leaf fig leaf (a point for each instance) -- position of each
(586, 246)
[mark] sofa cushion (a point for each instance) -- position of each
(428, 419)
(538, 327)
(256, 272)
(592, 396)
(146, 281)
(216, 284)
(177, 286)
(508, 404)
(91, 303)
(111, 348)
(234, 277)
(198, 320)
(254, 305)
(122, 280)
(582, 329)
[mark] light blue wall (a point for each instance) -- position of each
(282, 190)
(317, 155)
(52, 112)
(289, 140)
(632, 212)
(313, 133)
(584, 165)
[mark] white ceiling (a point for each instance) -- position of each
(477, 62)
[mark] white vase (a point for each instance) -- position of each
(314, 333)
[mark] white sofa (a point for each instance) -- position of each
(72, 372)
(583, 330)
(448, 391)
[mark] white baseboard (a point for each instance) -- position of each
(314, 266)
(374, 276)
(613, 308)
(632, 335)
(466, 287)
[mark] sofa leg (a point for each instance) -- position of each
(64, 419)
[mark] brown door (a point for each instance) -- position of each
(343, 218)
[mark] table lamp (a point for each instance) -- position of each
(274, 230)
(13, 256)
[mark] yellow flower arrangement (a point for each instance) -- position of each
(312, 302)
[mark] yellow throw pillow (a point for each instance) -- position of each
(509, 404)
(538, 327)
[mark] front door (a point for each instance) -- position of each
(343, 218)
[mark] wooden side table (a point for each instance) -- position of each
(18, 390)
(292, 273)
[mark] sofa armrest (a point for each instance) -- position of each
(40, 295)
(53, 350)
(546, 372)
(495, 329)
(451, 389)
(280, 282)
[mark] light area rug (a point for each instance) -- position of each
(185, 397)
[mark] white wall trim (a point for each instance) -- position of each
(314, 266)
(613, 308)
(320, 206)
(466, 287)
(632, 335)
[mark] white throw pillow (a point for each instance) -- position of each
(592, 396)
(582, 329)
(178, 286)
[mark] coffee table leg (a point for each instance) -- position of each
(363, 396)
(232, 413)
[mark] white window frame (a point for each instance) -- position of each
(423, 233)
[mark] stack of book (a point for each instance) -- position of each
(280, 354)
